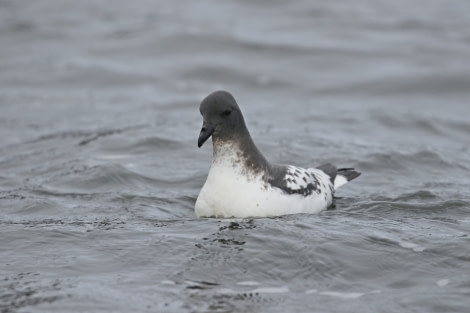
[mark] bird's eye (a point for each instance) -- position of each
(226, 113)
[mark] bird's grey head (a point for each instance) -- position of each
(222, 117)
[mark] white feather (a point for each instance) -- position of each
(230, 191)
(340, 181)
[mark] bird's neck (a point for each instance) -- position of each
(239, 152)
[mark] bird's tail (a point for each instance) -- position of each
(340, 176)
(343, 175)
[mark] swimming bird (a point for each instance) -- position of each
(242, 183)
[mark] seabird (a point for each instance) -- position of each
(242, 183)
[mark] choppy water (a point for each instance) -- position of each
(99, 169)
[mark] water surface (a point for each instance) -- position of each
(99, 166)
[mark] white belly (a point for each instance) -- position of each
(228, 193)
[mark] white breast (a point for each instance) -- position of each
(232, 191)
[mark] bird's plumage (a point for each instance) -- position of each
(242, 183)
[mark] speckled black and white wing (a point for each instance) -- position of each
(310, 182)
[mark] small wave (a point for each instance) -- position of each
(104, 133)
(35, 207)
(406, 161)
(86, 135)
(462, 126)
(231, 75)
(126, 148)
(412, 123)
(113, 177)
(103, 178)
(418, 201)
(416, 196)
(28, 289)
(66, 223)
(151, 207)
(157, 142)
(145, 145)
(438, 83)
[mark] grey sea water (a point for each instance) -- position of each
(99, 165)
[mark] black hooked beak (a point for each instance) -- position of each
(206, 131)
